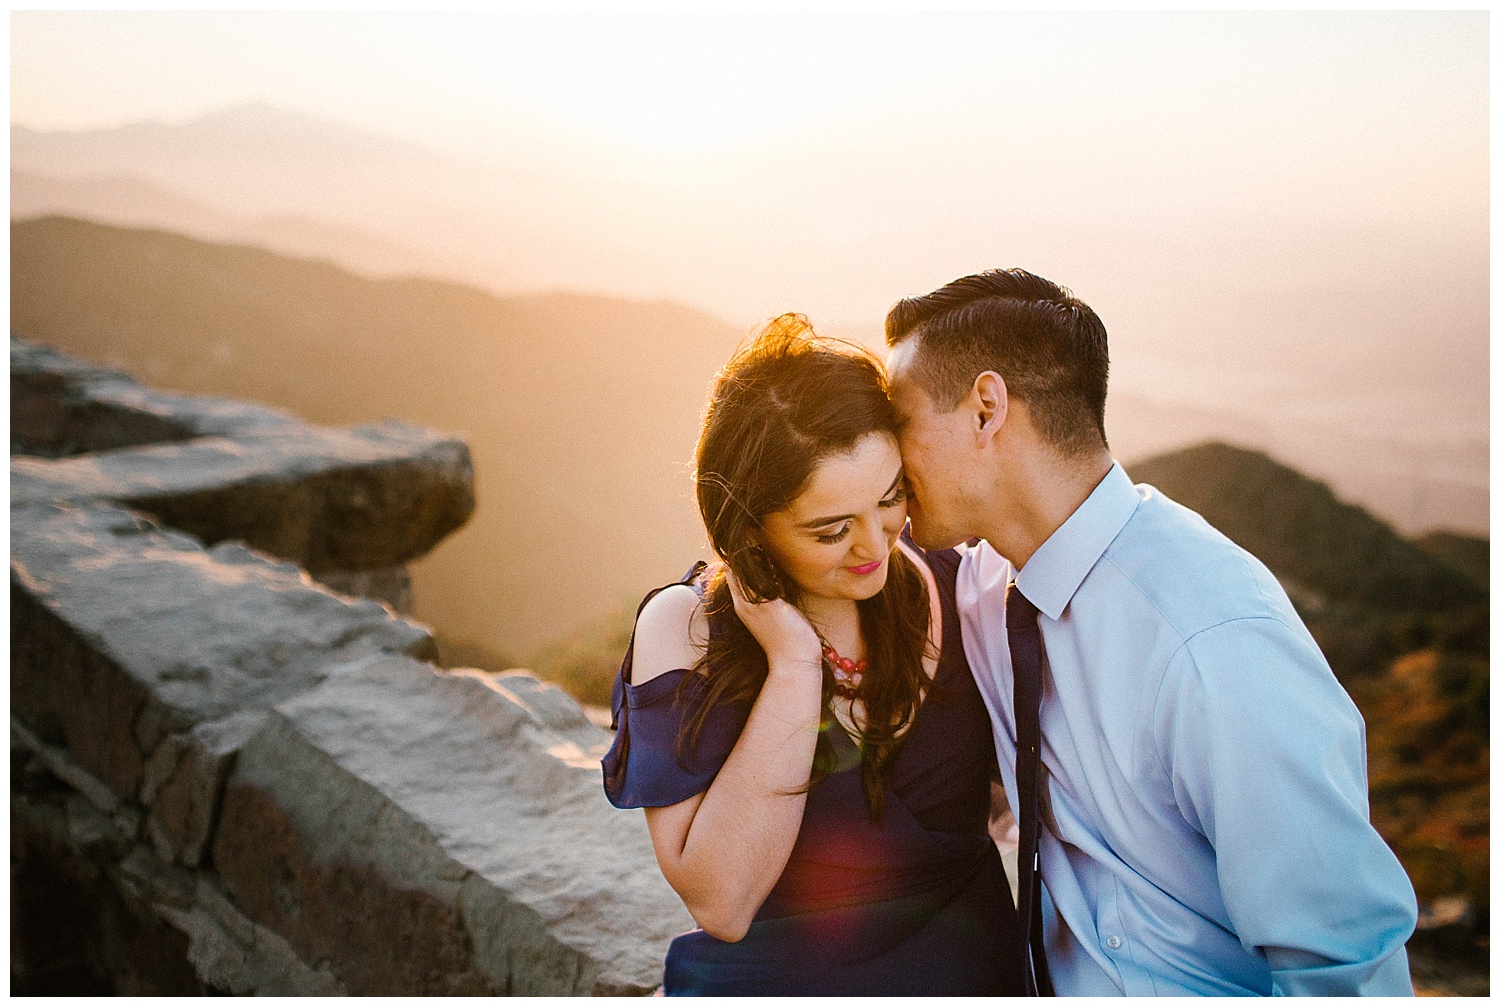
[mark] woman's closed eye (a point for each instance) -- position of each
(897, 497)
(837, 536)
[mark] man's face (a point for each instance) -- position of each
(940, 452)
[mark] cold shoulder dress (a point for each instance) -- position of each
(917, 904)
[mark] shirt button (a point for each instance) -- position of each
(1113, 941)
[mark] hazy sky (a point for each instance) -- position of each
(698, 84)
(884, 148)
(1279, 216)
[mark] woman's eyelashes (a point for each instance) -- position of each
(835, 537)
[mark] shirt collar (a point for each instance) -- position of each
(1052, 575)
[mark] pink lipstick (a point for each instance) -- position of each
(862, 570)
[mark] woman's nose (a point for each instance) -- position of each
(871, 539)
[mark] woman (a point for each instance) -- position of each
(799, 720)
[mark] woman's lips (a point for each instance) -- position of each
(862, 570)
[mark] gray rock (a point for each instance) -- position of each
(91, 833)
(97, 923)
(267, 781)
(124, 633)
(156, 881)
(61, 406)
(391, 586)
(464, 811)
(365, 498)
(203, 415)
(232, 953)
(63, 766)
(37, 362)
(183, 782)
(543, 702)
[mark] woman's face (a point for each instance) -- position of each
(835, 540)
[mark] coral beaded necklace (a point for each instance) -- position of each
(847, 674)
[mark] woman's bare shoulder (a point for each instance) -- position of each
(671, 633)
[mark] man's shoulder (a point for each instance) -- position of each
(1193, 575)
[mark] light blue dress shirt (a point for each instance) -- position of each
(1205, 810)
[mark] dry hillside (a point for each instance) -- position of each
(581, 411)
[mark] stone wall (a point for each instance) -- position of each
(228, 776)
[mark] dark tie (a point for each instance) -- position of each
(1026, 663)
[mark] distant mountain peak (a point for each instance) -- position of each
(249, 113)
(263, 113)
(246, 129)
(264, 121)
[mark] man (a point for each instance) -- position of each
(1199, 801)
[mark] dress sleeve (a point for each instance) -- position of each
(646, 767)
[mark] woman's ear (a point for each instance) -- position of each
(758, 574)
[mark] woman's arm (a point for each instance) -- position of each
(724, 849)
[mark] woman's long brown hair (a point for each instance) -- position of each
(784, 402)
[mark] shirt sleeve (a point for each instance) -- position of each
(1266, 757)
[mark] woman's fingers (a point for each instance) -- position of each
(735, 591)
(779, 627)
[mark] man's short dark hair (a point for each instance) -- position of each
(1049, 346)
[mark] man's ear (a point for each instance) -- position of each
(991, 404)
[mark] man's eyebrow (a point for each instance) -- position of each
(820, 522)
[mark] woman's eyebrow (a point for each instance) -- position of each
(835, 519)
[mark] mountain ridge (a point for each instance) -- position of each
(240, 129)
(126, 200)
(581, 409)
(1300, 528)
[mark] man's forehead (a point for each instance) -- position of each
(899, 360)
(907, 394)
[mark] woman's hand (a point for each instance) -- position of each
(782, 631)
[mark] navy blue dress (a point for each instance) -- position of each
(917, 904)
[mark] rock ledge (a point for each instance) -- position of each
(230, 777)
